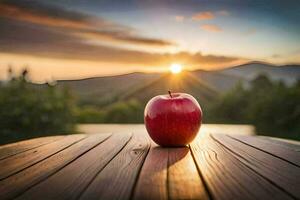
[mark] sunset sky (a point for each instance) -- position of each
(67, 39)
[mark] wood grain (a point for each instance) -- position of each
(273, 148)
(117, 179)
(71, 181)
(152, 182)
(184, 181)
(23, 160)
(18, 183)
(101, 166)
(229, 178)
(18, 147)
(291, 144)
(276, 170)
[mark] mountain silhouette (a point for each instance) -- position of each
(204, 85)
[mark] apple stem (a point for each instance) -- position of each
(170, 94)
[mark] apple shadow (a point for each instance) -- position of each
(177, 154)
(161, 158)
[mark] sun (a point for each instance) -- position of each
(175, 68)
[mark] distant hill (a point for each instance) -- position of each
(204, 85)
(218, 80)
(185, 82)
(104, 90)
(287, 73)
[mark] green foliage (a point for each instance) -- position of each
(125, 112)
(273, 108)
(276, 112)
(228, 108)
(120, 112)
(90, 114)
(29, 110)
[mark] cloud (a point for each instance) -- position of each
(199, 58)
(222, 13)
(211, 28)
(116, 36)
(179, 18)
(207, 15)
(43, 15)
(276, 56)
(51, 32)
(47, 43)
(203, 16)
(75, 23)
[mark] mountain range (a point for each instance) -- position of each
(204, 85)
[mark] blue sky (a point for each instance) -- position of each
(145, 35)
(260, 28)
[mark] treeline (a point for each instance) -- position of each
(29, 110)
(271, 106)
(130, 111)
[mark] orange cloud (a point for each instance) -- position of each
(203, 16)
(21, 14)
(78, 24)
(211, 28)
(222, 13)
(128, 38)
(61, 34)
(209, 15)
(45, 43)
(179, 18)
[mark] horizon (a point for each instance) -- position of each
(76, 40)
(141, 72)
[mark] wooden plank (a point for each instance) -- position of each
(229, 178)
(284, 140)
(275, 149)
(291, 144)
(18, 162)
(285, 175)
(18, 147)
(117, 179)
(17, 184)
(152, 182)
(71, 181)
(184, 181)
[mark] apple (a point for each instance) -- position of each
(173, 119)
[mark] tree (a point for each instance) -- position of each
(272, 107)
(29, 110)
(229, 107)
(125, 112)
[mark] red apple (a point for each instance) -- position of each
(173, 120)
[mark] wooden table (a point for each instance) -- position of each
(130, 166)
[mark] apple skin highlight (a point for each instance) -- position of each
(173, 120)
